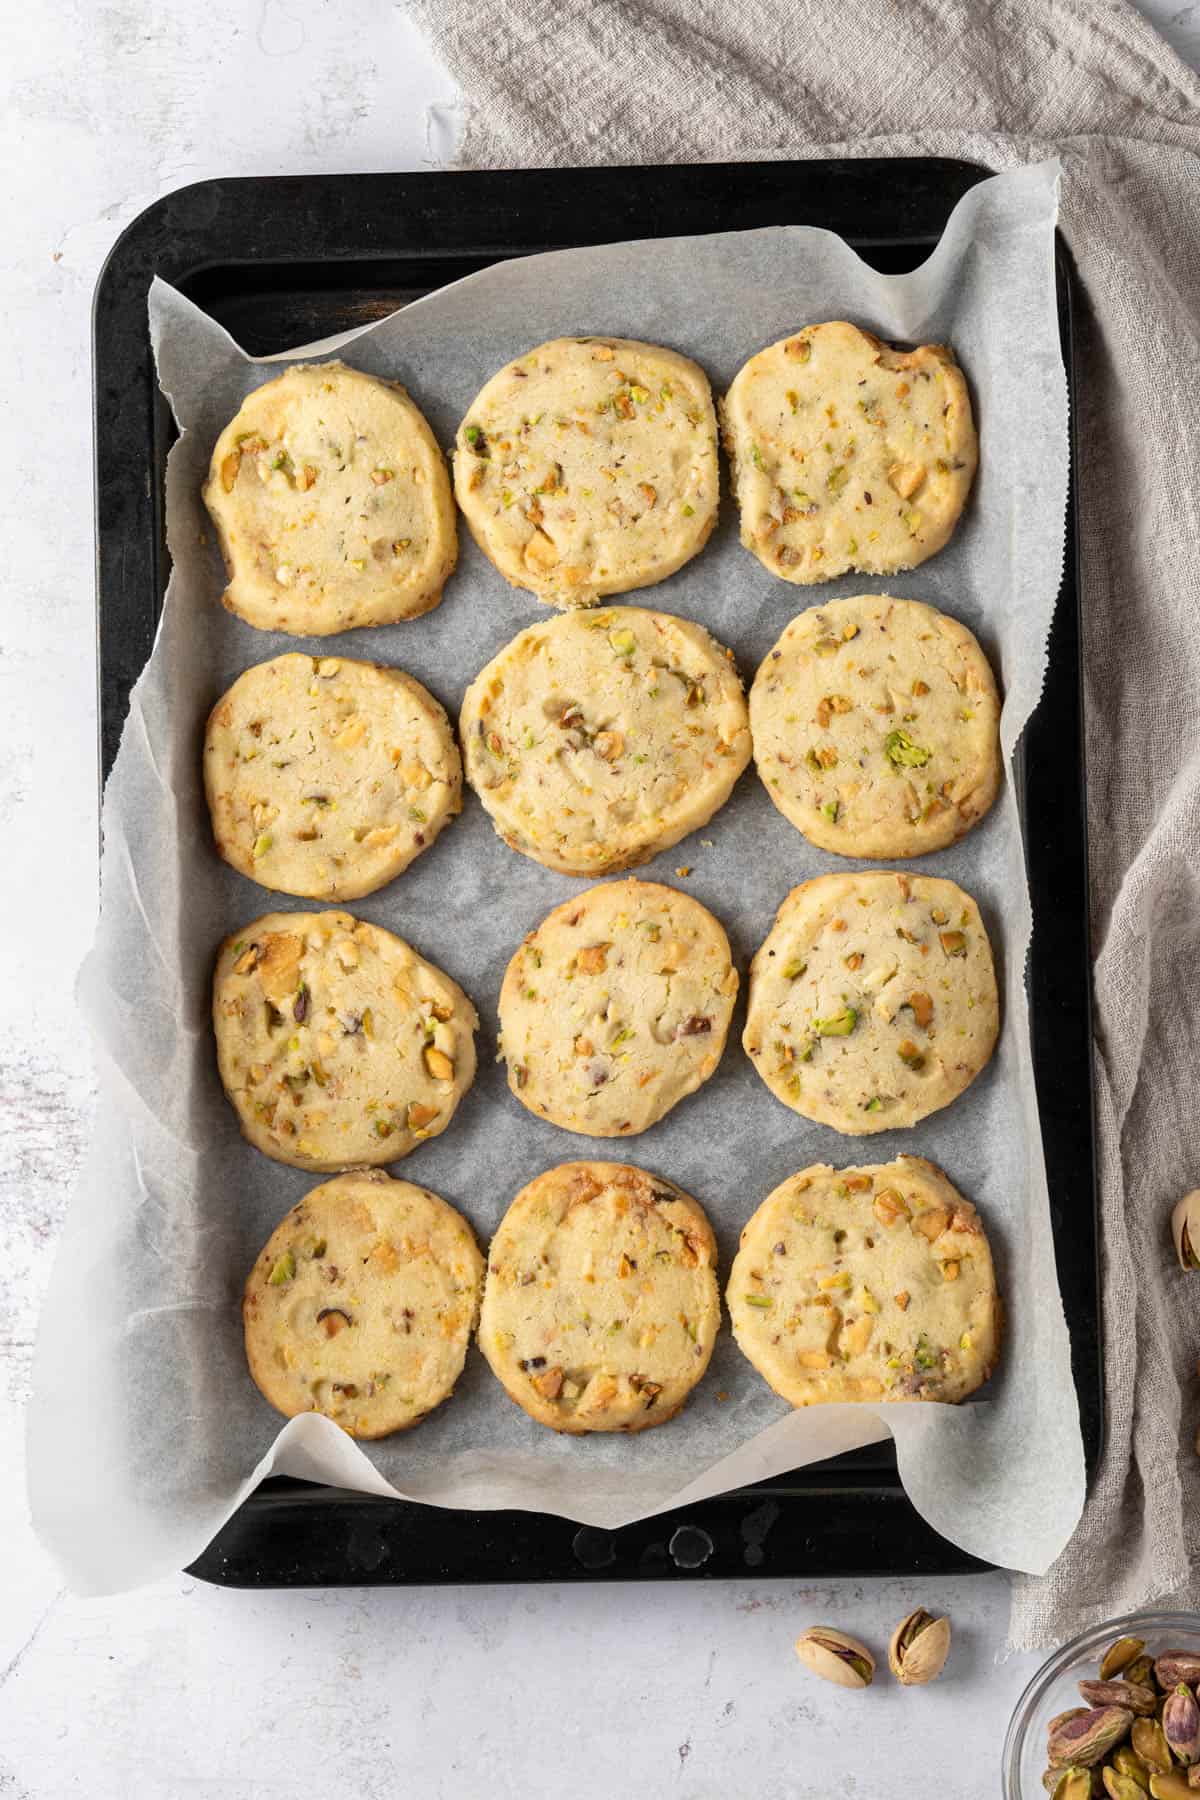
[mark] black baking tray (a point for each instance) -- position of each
(282, 261)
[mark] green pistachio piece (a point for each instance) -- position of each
(762, 1301)
(793, 969)
(902, 753)
(284, 1270)
(840, 1025)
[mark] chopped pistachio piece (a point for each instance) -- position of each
(902, 753)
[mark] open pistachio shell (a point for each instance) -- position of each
(835, 1657)
(1185, 1229)
(919, 1648)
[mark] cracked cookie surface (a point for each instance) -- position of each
(616, 1007)
(326, 777)
(588, 466)
(332, 504)
(600, 1304)
(362, 1303)
(597, 739)
(338, 1045)
(847, 454)
(869, 1283)
(876, 727)
(873, 999)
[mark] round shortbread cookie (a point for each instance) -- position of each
(616, 1007)
(876, 727)
(338, 1045)
(589, 466)
(872, 999)
(871, 1283)
(598, 739)
(326, 777)
(332, 504)
(362, 1304)
(600, 1305)
(848, 454)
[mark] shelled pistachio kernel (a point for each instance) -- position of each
(1118, 1657)
(1086, 1736)
(1150, 1744)
(1069, 1784)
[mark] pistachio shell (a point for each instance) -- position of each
(1185, 1229)
(1088, 1737)
(919, 1647)
(1141, 1672)
(1150, 1744)
(835, 1657)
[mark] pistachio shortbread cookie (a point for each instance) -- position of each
(598, 739)
(600, 1306)
(362, 1304)
(332, 504)
(616, 1007)
(872, 999)
(589, 466)
(326, 777)
(876, 727)
(337, 1043)
(871, 1283)
(848, 454)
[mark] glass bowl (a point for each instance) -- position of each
(1053, 1689)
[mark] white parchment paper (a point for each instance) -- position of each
(146, 1430)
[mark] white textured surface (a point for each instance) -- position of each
(182, 1690)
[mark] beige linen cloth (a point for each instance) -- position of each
(595, 81)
